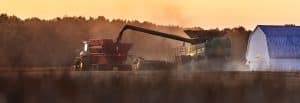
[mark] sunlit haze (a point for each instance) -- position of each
(187, 13)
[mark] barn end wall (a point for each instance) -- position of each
(257, 51)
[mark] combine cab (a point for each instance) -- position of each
(103, 54)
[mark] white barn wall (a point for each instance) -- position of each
(257, 52)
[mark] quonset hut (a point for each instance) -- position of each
(274, 47)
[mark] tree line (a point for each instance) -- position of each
(38, 42)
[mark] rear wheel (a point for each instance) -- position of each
(105, 67)
(124, 67)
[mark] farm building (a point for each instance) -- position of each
(274, 47)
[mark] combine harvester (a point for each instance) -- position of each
(104, 54)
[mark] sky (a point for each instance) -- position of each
(185, 13)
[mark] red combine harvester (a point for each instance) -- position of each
(103, 54)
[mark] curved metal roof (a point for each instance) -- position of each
(282, 41)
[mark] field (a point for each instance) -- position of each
(39, 86)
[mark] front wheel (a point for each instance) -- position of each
(80, 65)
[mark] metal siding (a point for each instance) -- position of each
(285, 64)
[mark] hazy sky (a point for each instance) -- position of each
(204, 13)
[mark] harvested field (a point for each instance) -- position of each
(149, 87)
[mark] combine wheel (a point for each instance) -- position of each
(104, 67)
(124, 67)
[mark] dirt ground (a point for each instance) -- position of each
(149, 87)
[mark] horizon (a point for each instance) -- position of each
(207, 14)
(110, 20)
